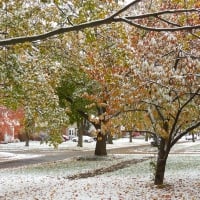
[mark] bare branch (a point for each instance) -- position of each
(177, 118)
(196, 125)
(164, 12)
(135, 110)
(173, 29)
(112, 19)
(13, 41)
(177, 25)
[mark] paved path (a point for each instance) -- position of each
(56, 155)
(42, 158)
(52, 155)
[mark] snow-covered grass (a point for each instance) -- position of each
(35, 145)
(50, 181)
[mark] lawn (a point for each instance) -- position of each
(64, 180)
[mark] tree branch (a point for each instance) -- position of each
(147, 28)
(13, 41)
(196, 125)
(177, 25)
(177, 118)
(112, 19)
(164, 12)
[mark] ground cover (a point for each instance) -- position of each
(63, 180)
(115, 177)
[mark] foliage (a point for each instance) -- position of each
(73, 85)
(149, 64)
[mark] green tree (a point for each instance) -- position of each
(74, 83)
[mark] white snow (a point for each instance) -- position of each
(51, 181)
(6, 156)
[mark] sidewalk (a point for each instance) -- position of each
(15, 151)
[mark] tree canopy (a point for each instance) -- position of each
(45, 10)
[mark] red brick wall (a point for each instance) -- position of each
(9, 119)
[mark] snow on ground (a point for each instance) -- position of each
(36, 145)
(6, 156)
(69, 144)
(51, 181)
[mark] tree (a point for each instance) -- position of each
(81, 96)
(74, 83)
(162, 78)
(102, 76)
(113, 18)
(172, 121)
(29, 72)
(34, 71)
(169, 83)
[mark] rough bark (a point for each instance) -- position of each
(100, 149)
(110, 139)
(27, 139)
(146, 137)
(130, 137)
(160, 171)
(161, 163)
(80, 133)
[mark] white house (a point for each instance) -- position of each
(72, 131)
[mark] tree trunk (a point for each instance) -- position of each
(160, 171)
(130, 137)
(100, 149)
(29, 128)
(146, 137)
(193, 139)
(80, 133)
(80, 139)
(27, 139)
(161, 163)
(110, 138)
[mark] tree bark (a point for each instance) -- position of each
(130, 137)
(160, 171)
(80, 133)
(146, 137)
(100, 149)
(193, 139)
(161, 163)
(27, 139)
(80, 139)
(29, 128)
(110, 138)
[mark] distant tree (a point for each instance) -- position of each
(74, 83)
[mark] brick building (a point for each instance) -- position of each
(10, 123)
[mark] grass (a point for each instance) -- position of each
(181, 179)
(175, 165)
